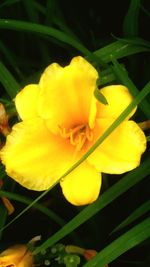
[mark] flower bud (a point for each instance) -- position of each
(16, 256)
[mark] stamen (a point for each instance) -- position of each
(77, 128)
(73, 140)
(89, 133)
(63, 132)
(81, 142)
(77, 135)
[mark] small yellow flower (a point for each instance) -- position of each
(61, 120)
(16, 256)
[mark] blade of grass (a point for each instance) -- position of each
(131, 20)
(31, 10)
(55, 16)
(100, 97)
(40, 8)
(10, 84)
(106, 76)
(50, 32)
(26, 200)
(106, 198)
(33, 15)
(121, 73)
(119, 49)
(130, 239)
(141, 210)
(122, 116)
(137, 41)
(10, 58)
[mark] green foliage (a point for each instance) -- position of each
(33, 35)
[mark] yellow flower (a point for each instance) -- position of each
(16, 256)
(61, 120)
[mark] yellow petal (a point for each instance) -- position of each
(66, 93)
(26, 101)
(121, 151)
(118, 98)
(82, 185)
(27, 260)
(16, 256)
(34, 157)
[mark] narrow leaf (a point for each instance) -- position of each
(121, 73)
(100, 97)
(119, 49)
(10, 84)
(130, 239)
(50, 32)
(130, 24)
(107, 197)
(52, 215)
(144, 208)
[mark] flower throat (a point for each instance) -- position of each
(77, 135)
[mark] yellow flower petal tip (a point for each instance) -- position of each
(82, 186)
(29, 94)
(16, 256)
(118, 98)
(61, 120)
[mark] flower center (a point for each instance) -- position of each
(77, 135)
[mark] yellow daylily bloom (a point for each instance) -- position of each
(61, 120)
(16, 256)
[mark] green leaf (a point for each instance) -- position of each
(31, 10)
(49, 32)
(119, 49)
(137, 41)
(130, 239)
(52, 215)
(131, 20)
(122, 75)
(144, 208)
(106, 198)
(106, 76)
(54, 16)
(100, 97)
(10, 58)
(10, 84)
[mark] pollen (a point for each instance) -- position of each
(78, 136)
